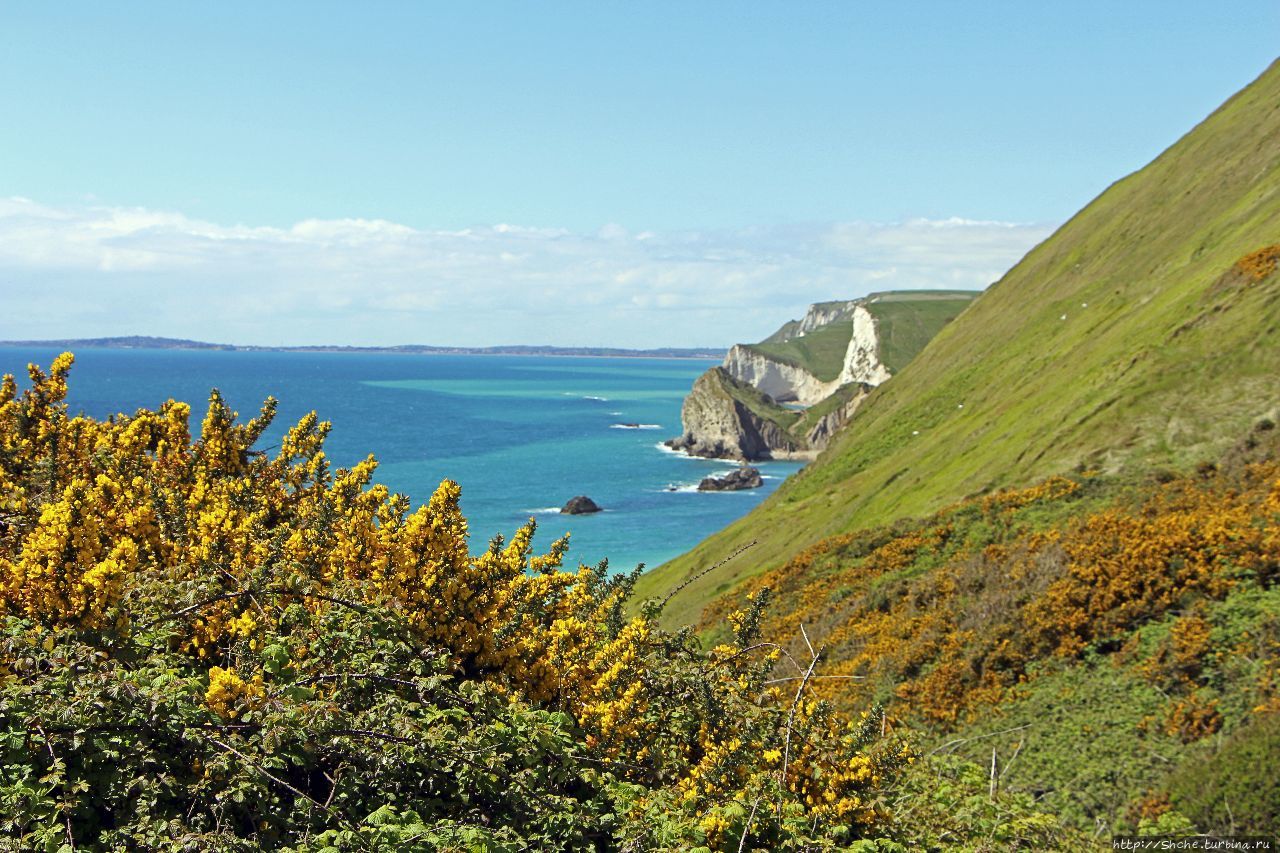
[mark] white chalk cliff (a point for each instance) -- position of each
(786, 383)
(746, 409)
(790, 383)
(862, 358)
(719, 422)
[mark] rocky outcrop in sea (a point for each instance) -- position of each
(745, 477)
(580, 505)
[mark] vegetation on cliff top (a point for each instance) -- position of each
(906, 321)
(820, 352)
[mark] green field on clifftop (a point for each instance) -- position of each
(821, 352)
(906, 322)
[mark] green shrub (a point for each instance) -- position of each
(1236, 788)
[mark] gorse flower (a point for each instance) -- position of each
(288, 613)
(229, 695)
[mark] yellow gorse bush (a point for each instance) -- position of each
(229, 694)
(955, 639)
(110, 528)
(136, 497)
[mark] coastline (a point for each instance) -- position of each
(805, 456)
(168, 345)
(422, 432)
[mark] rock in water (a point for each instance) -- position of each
(580, 505)
(745, 477)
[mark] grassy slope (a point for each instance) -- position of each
(821, 352)
(905, 323)
(1161, 368)
(785, 333)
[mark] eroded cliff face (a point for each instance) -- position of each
(718, 425)
(862, 359)
(819, 435)
(823, 314)
(785, 383)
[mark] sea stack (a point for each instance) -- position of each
(580, 505)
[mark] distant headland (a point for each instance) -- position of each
(148, 342)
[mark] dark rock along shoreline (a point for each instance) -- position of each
(745, 477)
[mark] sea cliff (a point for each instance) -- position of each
(790, 393)
(726, 418)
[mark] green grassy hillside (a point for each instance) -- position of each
(821, 352)
(907, 321)
(1114, 640)
(1142, 334)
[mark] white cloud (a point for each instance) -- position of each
(96, 271)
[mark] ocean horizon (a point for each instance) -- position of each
(520, 434)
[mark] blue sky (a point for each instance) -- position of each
(616, 173)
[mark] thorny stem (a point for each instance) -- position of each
(703, 573)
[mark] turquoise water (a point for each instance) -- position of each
(521, 434)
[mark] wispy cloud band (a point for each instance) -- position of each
(97, 271)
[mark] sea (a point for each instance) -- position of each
(520, 434)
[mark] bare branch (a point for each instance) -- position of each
(742, 842)
(226, 596)
(992, 790)
(335, 676)
(197, 606)
(704, 572)
(333, 781)
(336, 814)
(1009, 763)
(369, 733)
(805, 634)
(954, 743)
(815, 678)
(791, 717)
(602, 762)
